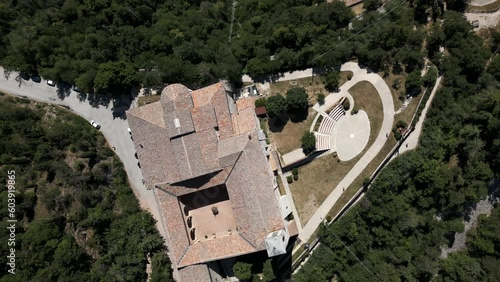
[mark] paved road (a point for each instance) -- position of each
(388, 107)
(284, 76)
(411, 142)
(114, 129)
(484, 19)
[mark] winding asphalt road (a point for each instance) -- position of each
(114, 130)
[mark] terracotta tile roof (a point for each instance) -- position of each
(197, 183)
(151, 113)
(203, 96)
(260, 111)
(177, 237)
(245, 103)
(177, 104)
(216, 144)
(245, 121)
(250, 189)
(215, 249)
(197, 272)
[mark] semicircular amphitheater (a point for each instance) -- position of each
(343, 133)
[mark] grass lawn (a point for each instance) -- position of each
(367, 172)
(144, 100)
(318, 178)
(316, 181)
(343, 76)
(408, 112)
(367, 99)
(288, 139)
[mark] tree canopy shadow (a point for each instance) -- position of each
(277, 123)
(63, 90)
(298, 116)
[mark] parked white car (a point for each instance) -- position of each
(95, 124)
(51, 83)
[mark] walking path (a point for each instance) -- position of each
(292, 203)
(283, 76)
(388, 107)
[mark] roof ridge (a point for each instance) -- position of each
(246, 240)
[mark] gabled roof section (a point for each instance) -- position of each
(250, 188)
(177, 104)
(152, 113)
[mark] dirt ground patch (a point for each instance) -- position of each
(366, 98)
(316, 181)
(288, 139)
(313, 85)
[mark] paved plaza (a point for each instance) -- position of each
(352, 134)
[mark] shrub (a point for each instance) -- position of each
(346, 104)
(332, 81)
(296, 99)
(261, 102)
(430, 77)
(366, 181)
(401, 124)
(295, 171)
(78, 166)
(397, 135)
(308, 141)
(321, 98)
(355, 110)
(413, 83)
(242, 270)
(349, 76)
(295, 177)
(276, 105)
(396, 84)
(289, 179)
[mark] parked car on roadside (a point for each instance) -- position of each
(51, 83)
(24, 75)
(95, 124)
(36, 78)
(76, 89)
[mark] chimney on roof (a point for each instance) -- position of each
(215, 211)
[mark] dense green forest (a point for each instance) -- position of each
(417, 203)
(77, 218)
(112, 45)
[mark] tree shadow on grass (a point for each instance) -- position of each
(277, 123)
(298, 116)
